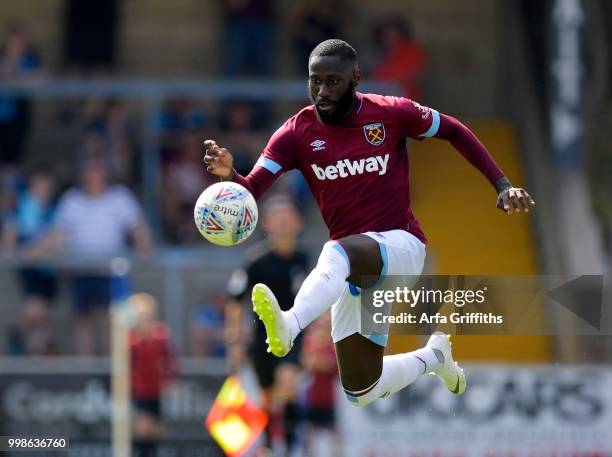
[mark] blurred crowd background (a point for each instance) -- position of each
(104, 106)
(82, 123)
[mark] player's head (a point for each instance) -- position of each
(145, 309)
(94, 175)
(281, 218)
(333, 75)
(41, 183)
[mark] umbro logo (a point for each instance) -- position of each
(318, 145)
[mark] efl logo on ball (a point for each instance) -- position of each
(226, 214)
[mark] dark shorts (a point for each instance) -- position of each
(151, 407)
(321, 417)
(35, 281)
(265, 364)
(91, 292)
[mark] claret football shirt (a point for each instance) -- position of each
(357, 170)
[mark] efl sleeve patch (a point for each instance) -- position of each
(435, 125)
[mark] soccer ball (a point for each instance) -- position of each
(226, 214)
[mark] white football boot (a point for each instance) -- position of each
(266, 307)
(449, 371)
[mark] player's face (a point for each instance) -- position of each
(331, 87)
(145, 313)
(282, 221)
(94, 177)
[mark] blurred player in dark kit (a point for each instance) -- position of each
(351, 149)
(153, 365)
(319, 361)
(277, 261)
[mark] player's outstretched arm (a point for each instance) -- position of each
(509, 198)
(219, 162)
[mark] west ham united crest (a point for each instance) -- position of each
(374, 133)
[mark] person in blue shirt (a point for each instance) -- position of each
(18, 62)
(23, 231)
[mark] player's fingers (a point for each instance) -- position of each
(211, 155)
(524, 200)
(517, 202)
(499, 204)
(503, 202)
(514, 200)
(209, 144)
(529, 198)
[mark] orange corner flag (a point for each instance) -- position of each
(234, 421)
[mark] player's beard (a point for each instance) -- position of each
(342, 107)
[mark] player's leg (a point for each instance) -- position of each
(370, 376)
(366, 375)
(285, 386)
(147, 427)
(348, 259)
(352, 257)
(264, 366)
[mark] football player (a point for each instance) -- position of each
(351, 148)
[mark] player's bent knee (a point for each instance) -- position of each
(333, 248)
(365, 259)
(333, 259)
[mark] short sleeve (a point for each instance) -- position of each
(64, 212)
(128, 208)
(279, 155)
(238, 283)
(416, 121)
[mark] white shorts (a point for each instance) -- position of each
(403, 254)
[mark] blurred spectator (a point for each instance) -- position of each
(18, 62)
(110, 132)
(181, 115)
(153, 365)
(184, 180)
(243, 135)
(22, 233)
(250, 30)
(119, 132)
(90, 38)
(92, 225)
(319, 360)
(314, 21)
(280, 265)
(207, 327)
(402, 58)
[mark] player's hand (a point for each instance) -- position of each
(514, 199)
(218, 161)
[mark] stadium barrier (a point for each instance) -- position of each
(152, 94)
(508, 410)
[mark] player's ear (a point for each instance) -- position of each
(356, 75)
